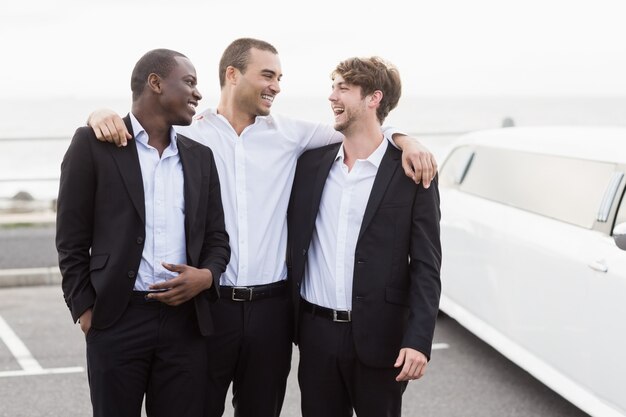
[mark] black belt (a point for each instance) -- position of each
(255, 292)
(328, 313)
(141, 297)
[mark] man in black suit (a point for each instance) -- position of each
(364, 257)
(142, 244)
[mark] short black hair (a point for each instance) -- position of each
(158, 61)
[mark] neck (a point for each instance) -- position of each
(155, 125)
(238, 119)
(361, 141)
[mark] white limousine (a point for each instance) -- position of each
(534, 235)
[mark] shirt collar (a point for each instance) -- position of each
(142, 136)
(269, 119)
(375, 157)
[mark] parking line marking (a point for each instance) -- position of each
(22, 372)
(438, 346)
(18, 348)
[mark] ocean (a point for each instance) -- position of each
(34, 134)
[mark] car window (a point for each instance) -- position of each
(456, 166)
(567, 189)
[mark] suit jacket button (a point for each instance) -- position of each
(139, 240)
(304, 251)
(131, 274)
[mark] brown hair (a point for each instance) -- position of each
(373, 74)
(237, 55)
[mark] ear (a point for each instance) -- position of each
(232, 74)
(154, 82)
(375, 98)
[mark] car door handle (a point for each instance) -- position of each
(599, 266)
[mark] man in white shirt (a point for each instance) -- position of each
(364, 257)
(256, 155)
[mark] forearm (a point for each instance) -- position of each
(316, 135)
(396, 137)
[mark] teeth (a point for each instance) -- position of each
(267, 97)
(338, 110)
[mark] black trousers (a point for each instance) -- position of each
(334, 382)
(252, 348)
(153, 349)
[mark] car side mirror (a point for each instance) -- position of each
(619, 235)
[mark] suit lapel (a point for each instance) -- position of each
(193, 187)
(386, 170)
(325, 163)
(127, 161)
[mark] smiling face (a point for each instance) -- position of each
(257, 87)
(179, 94)
(347, 103)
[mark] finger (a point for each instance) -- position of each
(170, 283)
(106, 133)
(121, 131)
(172, 297)
(421, 371)
(161, 286)
(408, 169)
(113, 136)
(162, 296)
(99, 133)
(173, 267)
(418, 168)
(413, 370)
(403, 375)
(433, 162)
(427, 171)
(400, 359)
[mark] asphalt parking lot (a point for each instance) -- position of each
(42, 369)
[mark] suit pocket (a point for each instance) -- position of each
(397, 296)
(98, 262)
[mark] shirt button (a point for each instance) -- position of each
(131, 274)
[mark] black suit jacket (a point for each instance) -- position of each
(101, 224)
(396, 285)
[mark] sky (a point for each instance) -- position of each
(80, 48)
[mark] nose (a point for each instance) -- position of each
(196, 94)
(275, 86)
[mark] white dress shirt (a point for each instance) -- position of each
(163, 187)
(330, 267)
(256, 171)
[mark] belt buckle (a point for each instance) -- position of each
(338, 320)
(234, 298)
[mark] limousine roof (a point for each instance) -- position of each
(583, 142)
